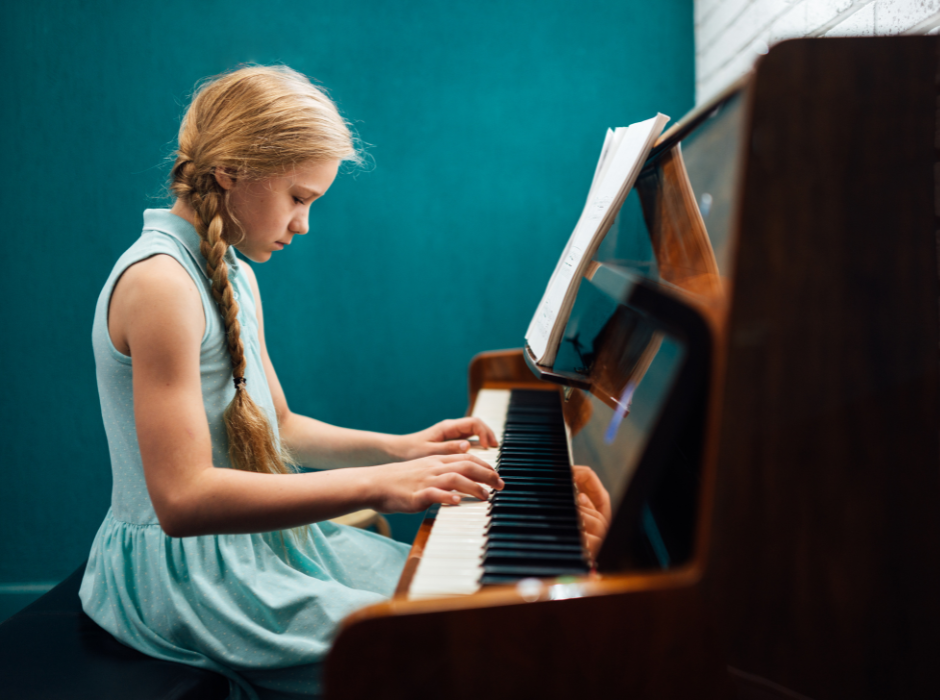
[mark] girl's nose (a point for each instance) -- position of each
(299, 225)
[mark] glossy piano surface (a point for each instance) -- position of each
(798, 495)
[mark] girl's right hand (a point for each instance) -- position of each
(410, 487)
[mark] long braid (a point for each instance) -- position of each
(252, 444)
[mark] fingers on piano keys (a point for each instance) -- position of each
(528, 529)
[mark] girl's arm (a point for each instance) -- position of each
(156, 316)
(323, 446)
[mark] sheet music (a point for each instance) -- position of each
(605, 151)
(598, 169)
(622, 156)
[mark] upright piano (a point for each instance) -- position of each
(750, 376)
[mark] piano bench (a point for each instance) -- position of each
(52, 649)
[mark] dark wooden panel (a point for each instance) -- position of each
(637, 644)
(823, 565)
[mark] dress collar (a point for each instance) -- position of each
(165, 221)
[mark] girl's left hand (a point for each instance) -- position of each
(445, 438)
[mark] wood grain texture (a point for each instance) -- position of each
(642, 636)
(414, 558)
(500, 369)
(823, 567)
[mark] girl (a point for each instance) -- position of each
(206, 556)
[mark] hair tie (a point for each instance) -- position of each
(239, 381)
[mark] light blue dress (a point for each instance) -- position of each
(260, 612)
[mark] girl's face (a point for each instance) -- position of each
(272, 211)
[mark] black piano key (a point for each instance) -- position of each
(535, 519)
(499, 545)
(562, 471)
(532, 458)
(558, 457)
(567, 511)
(520, 495)
(542, 488)
(533, 480)
(509, 557)
(526, 527)
(551, 430)
(538, 538)
(544, 477)
(507, 505)
(535, 496)
(531, 442)
(549, 489)
(561, 456)
(524, 560)
(532, 472)
(523, 571)
(523, 453)
(545, 436)
(563, 503)
(496, 580)
(556, 464)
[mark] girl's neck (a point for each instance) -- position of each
(184, 211)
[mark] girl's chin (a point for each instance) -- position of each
(258, 256)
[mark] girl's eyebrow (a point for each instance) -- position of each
(307, 192)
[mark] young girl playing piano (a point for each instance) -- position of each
(208, 556)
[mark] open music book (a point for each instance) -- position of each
(622, 156)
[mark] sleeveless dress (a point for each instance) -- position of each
(259, 608)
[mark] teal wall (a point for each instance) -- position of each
(485, 119)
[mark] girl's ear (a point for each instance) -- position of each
(225, 180)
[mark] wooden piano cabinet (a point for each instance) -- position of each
(824, 556)
(631, 636)
(501, 369)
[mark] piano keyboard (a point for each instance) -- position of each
(531, 527)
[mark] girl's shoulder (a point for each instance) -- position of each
(159, 274)
(157, 264)
(155, 292)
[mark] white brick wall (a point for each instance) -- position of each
(731, 34)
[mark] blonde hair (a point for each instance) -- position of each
(251, 123)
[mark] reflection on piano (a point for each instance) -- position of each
(752, 375)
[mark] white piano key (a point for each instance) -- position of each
(457, 540)
(450, 577)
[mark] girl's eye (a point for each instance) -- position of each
(298, 200)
